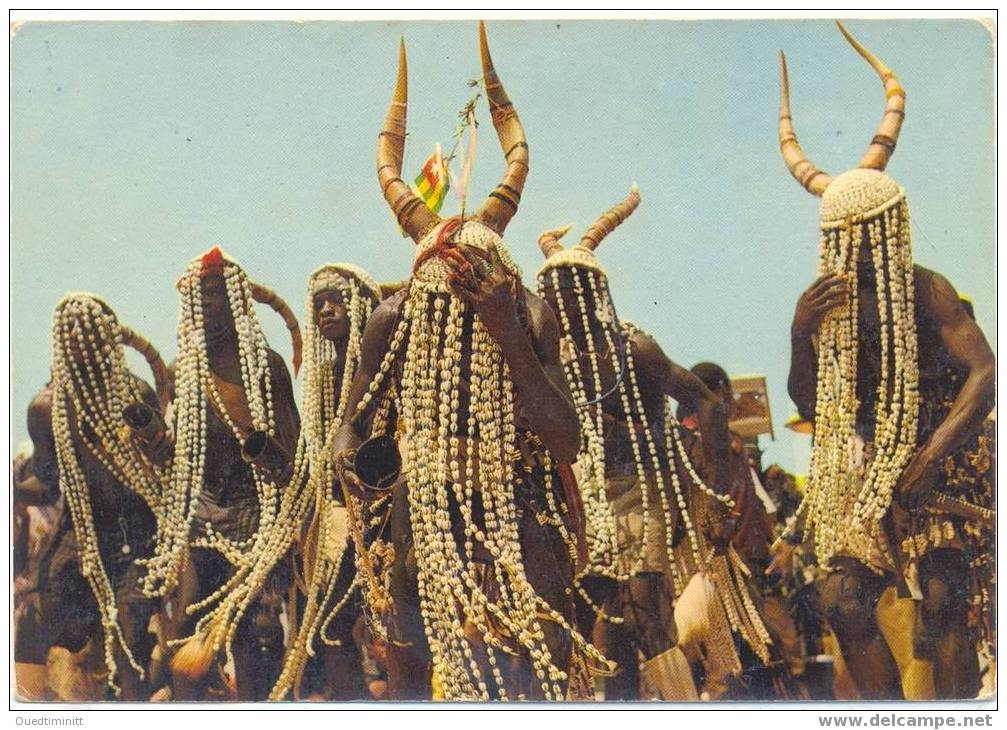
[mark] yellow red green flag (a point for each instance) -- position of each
(432, 182)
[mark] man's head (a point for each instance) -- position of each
(715, 378)
(445, 243)
(216, 291)
(218, 320)
(332, 289)
(339, 301)
(861, 214)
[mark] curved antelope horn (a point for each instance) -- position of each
(610, 220)
(264, 295)
(804, 171)
(142, 345)
(411, 212)
(391, 287)
(502, 203)
(883, 144)
(549, 240)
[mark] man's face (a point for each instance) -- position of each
(217, 317)
(331, 316)
(866, 276)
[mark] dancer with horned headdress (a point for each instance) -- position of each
(466, 362)
(340, 300)
(874, 340)
(111, 481)
(236, 429)
(632, 464)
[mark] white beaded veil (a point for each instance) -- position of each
(91, 387)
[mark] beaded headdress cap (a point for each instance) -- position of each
(336, 276)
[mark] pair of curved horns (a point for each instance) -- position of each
(265, 295)
(593, 236)
(141, 344)
(880, 150)
(410, 211)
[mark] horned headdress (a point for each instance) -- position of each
(582, 254)
(864, 219)
(141, 344)
(217, 262)
(424, 226)
(436, 327)
(92, 386)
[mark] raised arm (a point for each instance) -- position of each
(491, 291)
(689, 390)
(555, 418)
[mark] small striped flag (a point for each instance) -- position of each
(432, 182)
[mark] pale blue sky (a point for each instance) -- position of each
(136, 146)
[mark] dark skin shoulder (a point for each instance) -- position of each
(288, 421)
(682, 385)
(377, 334)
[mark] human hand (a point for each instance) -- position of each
(782, 563)
(828, 292)
(342, 462)
(20, 468)
(482, 281)
(917, 480)
(158, 448)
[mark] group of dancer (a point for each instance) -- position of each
(494, 493)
